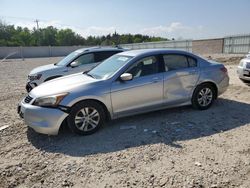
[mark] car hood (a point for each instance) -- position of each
(43, 68)
(246, 59)
(62, 85)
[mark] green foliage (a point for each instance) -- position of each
(11, 36)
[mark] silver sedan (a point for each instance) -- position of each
(128, 83)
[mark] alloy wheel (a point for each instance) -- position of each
(205, 97)
(87, 119)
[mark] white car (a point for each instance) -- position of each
(78, 61)
(243, 70)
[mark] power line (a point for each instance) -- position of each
(19, 18)
(40, 20)
(43, 21)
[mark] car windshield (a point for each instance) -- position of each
(68, 58)
(108, 67)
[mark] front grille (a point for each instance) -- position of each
(31, 78)
(248, 65)
(28, 99)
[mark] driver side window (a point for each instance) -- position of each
(144, 67)
(85, 59)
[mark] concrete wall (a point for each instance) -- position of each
(181, 45)
(209, 46)
(13, 52)
(37, 51)
(231, 44)
(57, 51)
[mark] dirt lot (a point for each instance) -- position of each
(179, 147)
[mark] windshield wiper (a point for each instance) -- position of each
(90, 75)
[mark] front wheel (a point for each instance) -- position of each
(203, 96)
(86, 117)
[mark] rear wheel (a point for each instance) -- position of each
(86, 117)
(203, 96)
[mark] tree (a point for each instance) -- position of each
(65, 37)
(11, 36)
(48, 36)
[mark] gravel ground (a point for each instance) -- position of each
(179, 147)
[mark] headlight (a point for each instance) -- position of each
(34, 77)
(50, 101)
(241, 63)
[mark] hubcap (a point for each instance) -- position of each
(205, 97)
(87, 119)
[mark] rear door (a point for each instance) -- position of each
(180, 77)
(144, 91)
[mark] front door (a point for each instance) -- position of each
(144, 91)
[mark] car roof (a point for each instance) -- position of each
(152, 52)
(98, 49)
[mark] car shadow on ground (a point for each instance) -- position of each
(165, 126)
(246, 82)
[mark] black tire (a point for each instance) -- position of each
(245, 81)
(76, 112)
(197, 96)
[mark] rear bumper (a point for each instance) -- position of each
(223, 85)
(42, 120)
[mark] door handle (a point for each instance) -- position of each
(192, 72)
(155, 80)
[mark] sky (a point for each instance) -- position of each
(179, 19)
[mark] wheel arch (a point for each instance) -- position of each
(210, 83)
(107, 113)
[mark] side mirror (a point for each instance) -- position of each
(74, 64)
(126, 77)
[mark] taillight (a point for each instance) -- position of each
(224, 69)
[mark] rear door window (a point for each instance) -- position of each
(176, 61)
(192, 62)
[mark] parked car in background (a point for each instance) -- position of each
(78, 61)
(125, 84)
(243, 70)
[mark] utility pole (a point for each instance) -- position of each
(37, 25)
(37, 32)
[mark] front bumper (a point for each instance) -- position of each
(243, 73)
(42, 120)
